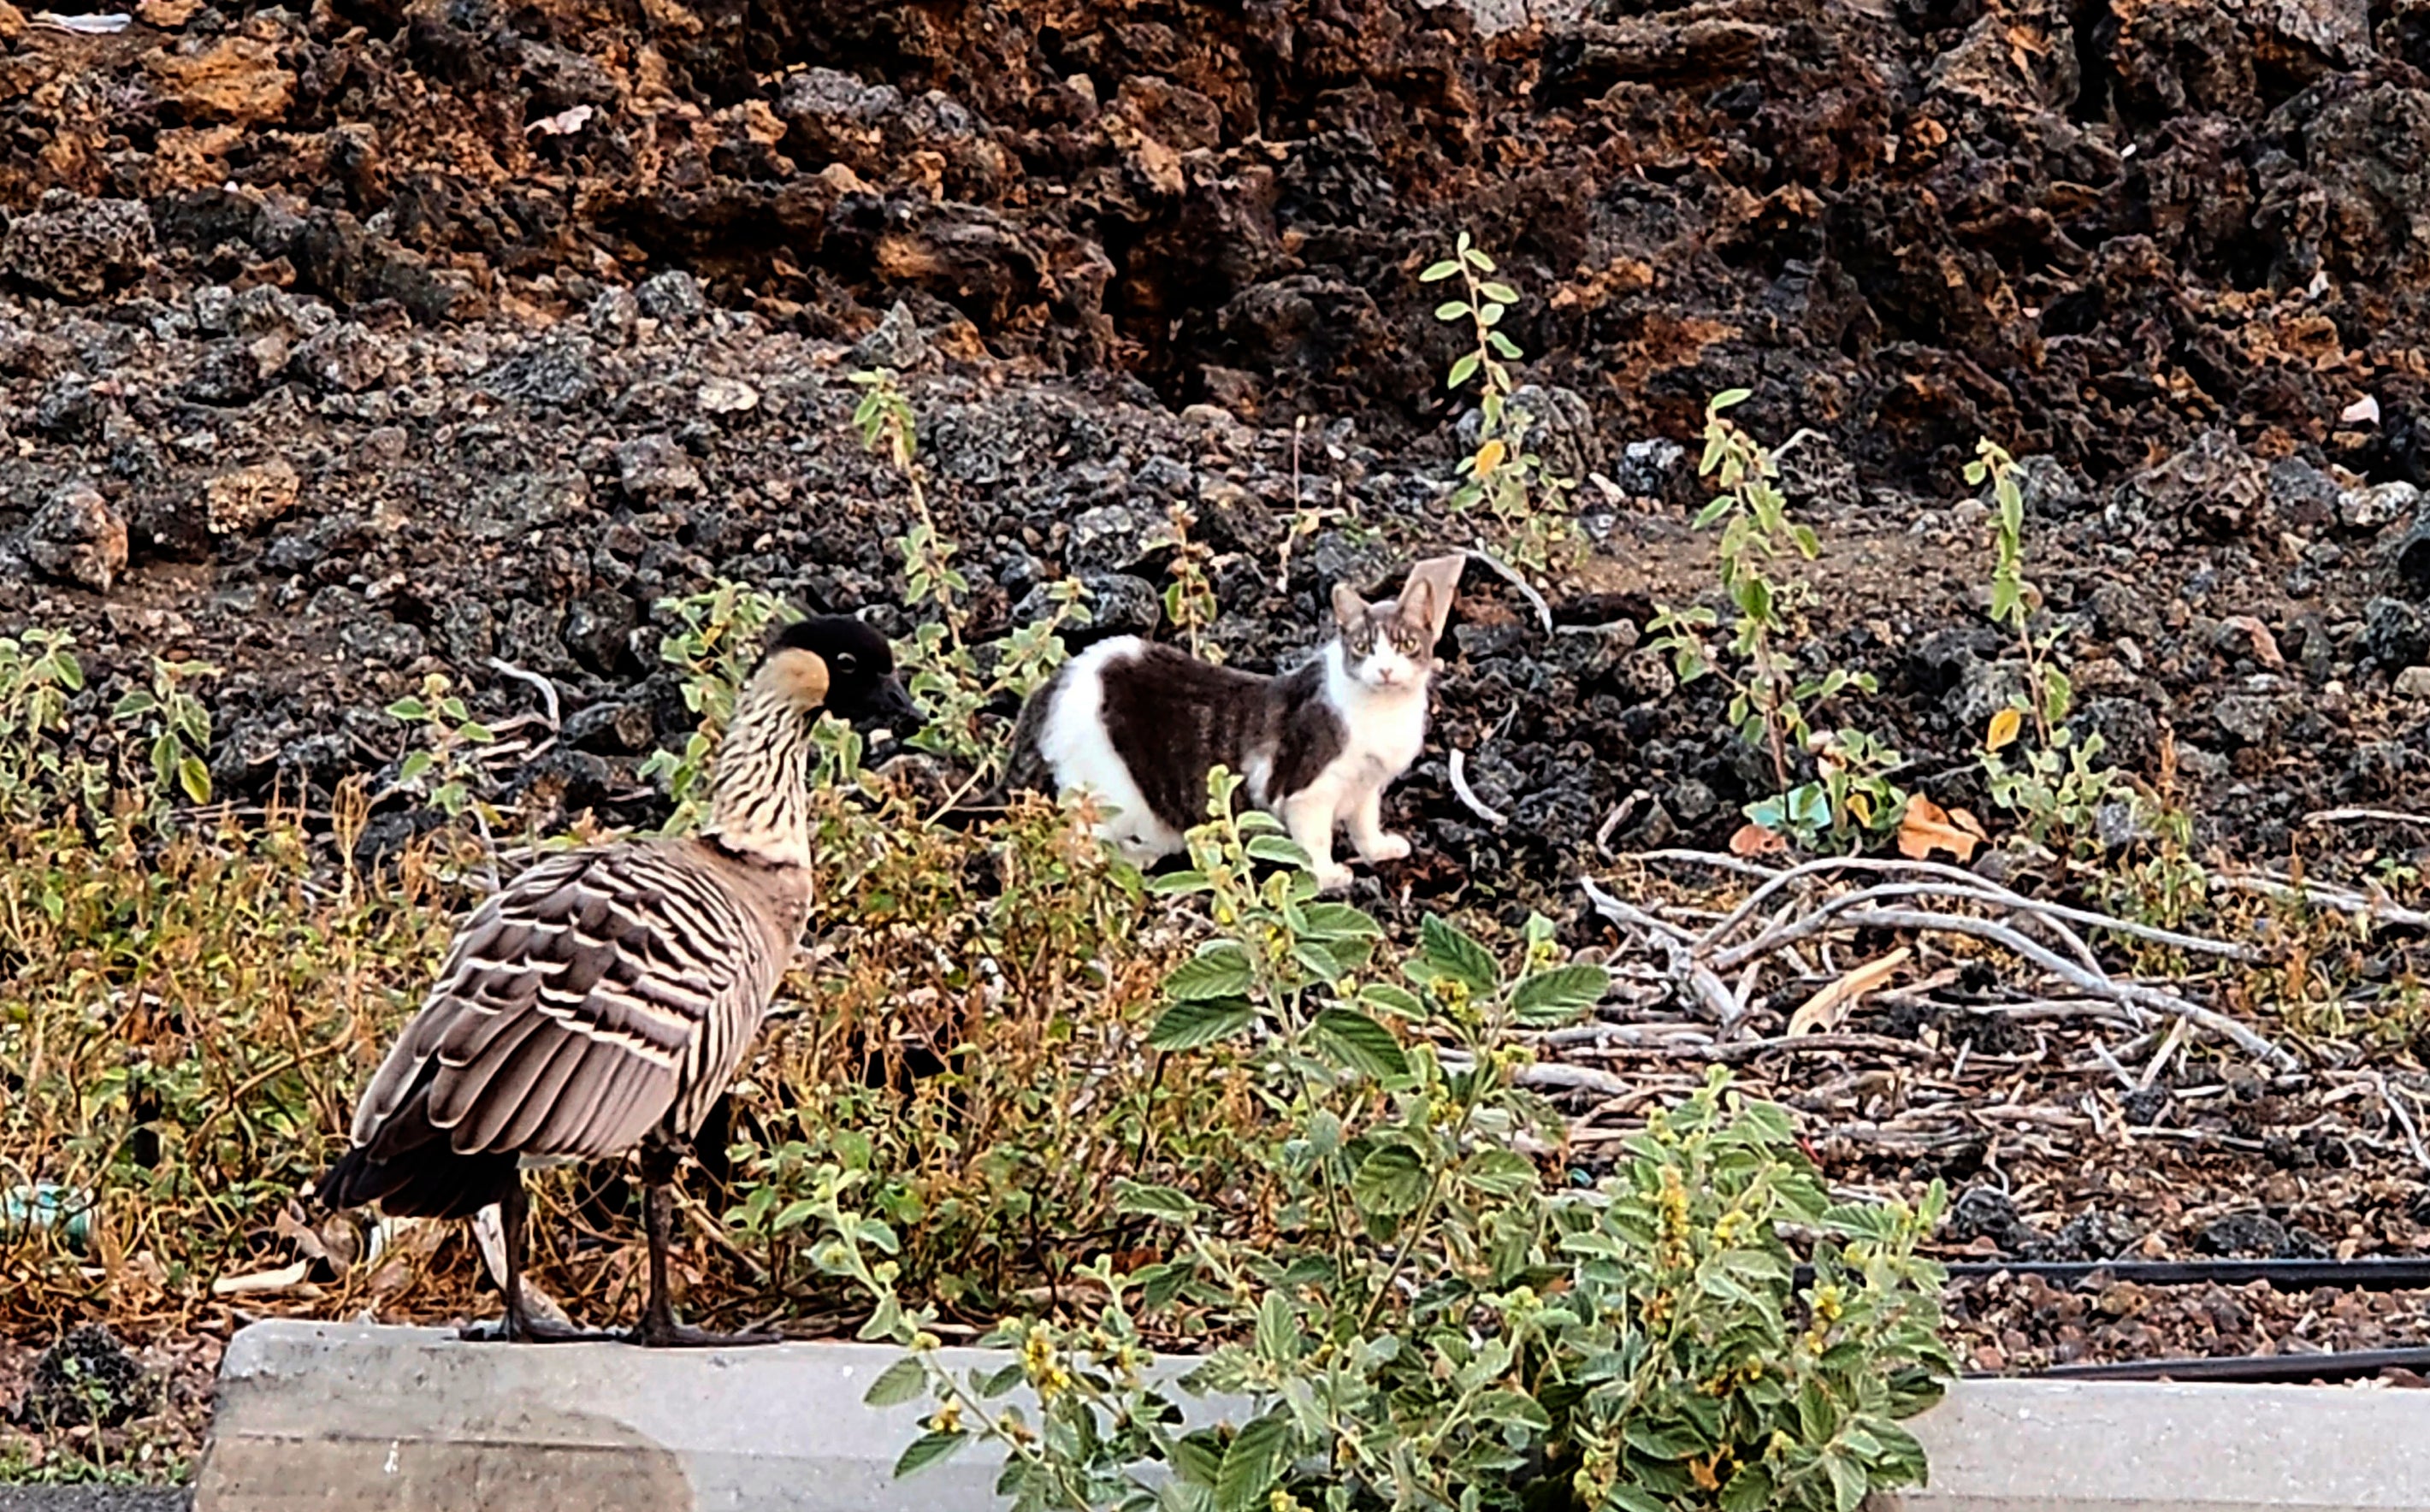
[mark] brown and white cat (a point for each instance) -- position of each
(1139, 725)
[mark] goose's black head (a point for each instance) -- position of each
(838, 664)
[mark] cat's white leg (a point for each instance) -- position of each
(1367, 829)
(1308, 816)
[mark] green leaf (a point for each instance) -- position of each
(1220, 970)
(926, 1450)
(906, 1379)
(1447, 952)
(1714, 511)
(134, 706)
(195, 779)
(1392, 1180)
(1398, 1000)
(1152, 1200)
(1197, 1458)
(1476, 257)
(1629, 1499)
(409, 708)
(415, 764)
(1359, 1042)
(1749, 1490)
(1338, 921)
(1658, 1444)
(1562, 992)
(1462, 371)
(1251, 1463)
(1507, 348)
(1847, 1481)
(1187, 1025)
(1728, 397)
(1499, 294)
(1281, 852)
(1438, 272)
(1278, 1332)
(1499, 1172)
(1452, 309)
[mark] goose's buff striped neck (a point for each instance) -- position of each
(760, 796)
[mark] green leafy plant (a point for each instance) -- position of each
(1502, 474)
(1413, 1319)
(174, 727)
(718, 636)
(1850, 798)
(1773, 695)
(2058, 788)
(39, 674)
(444, 766)
(945, 671)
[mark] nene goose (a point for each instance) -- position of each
(604, 997)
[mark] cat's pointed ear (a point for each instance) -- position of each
(1433, 584)
(1347, 605)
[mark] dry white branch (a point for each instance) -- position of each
(2378, 909)
(1685, 971)
(547, 689)
(1543, 611)
(1467, 795)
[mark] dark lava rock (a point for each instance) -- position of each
(78, 249)
(2395, 634)
(2248, 1235)
(340, 359)
(611, 728)
(1986, 1212)
(88, 1377)
(652, 466)
(77, 538)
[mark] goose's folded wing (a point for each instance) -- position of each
(573, 1007)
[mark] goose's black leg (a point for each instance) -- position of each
(661, 1157)
(520, 1323)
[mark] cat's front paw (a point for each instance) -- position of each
(1332, 877)
(1388, 848)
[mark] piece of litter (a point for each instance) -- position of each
(279, 1280)
(2320, 284)
(727, 396)
(2363, 411)
(94, 26)
(564, 123)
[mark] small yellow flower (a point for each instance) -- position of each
(946, 1419)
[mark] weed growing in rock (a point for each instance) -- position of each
(174, 727)
(944, 673)
(1502, 474)
(1773, 697)
(39, 674)
(1189, 604)
(2061, 787)
(1413, 1320)
(442, 767)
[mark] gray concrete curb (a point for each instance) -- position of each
(327, 1416)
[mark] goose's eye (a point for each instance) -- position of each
(847, 663)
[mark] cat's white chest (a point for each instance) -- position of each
(1382, 736)
(1382, 730)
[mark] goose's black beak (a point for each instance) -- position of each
(894, 708)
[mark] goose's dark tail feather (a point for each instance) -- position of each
(411, 1172)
